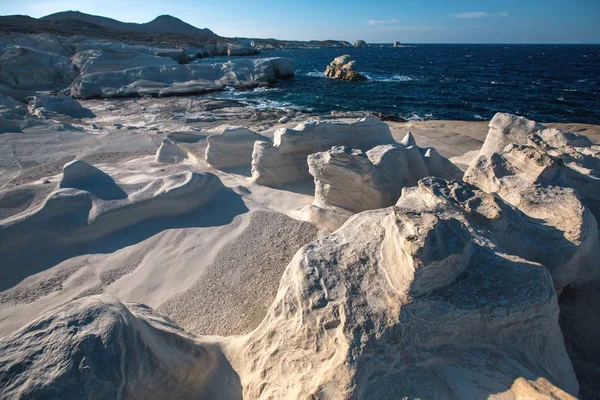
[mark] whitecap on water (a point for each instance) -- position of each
(388, 78)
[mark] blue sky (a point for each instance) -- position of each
(434, 21)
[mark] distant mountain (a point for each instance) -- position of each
(161, 24)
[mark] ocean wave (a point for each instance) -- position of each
(314, 74)
(388, 78)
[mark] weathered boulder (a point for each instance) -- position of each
(357, 181)
(97, 347)
(48, 105)
(284, 160)
(344, 68)
(169, 152)
(26, 71)
(506, 129)
(230, 146)
(360, 43)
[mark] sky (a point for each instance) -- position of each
(381, 21)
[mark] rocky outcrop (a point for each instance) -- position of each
(165, 79)
(49, 105)
(360, 43)
(239, 50)
(26, 71)
(397, 44)
(11, 108)
(80, 175)
(357, 181)
(405, 295)
(169, 152)
(98, 347)
(344, 68)
(230, 146)
(284, 160)
(557, 185)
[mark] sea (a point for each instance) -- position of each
(547, 83)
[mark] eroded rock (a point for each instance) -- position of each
(344, 68)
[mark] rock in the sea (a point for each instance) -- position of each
(100, 348)
(284, 160)
(397, 44)
(154, 77)
(344, 68)
(169, 152)
(26, 71)
(357, 181)
(408, 302)
(48, 105)
(230, 146)
(360, 43)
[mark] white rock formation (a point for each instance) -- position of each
(397, 44)
(239, 50)
(557, 185)
(230, 146)
(284, 161)
(48, 105)
(98, 347)
(151, 75)
(357, 181)
(360, 43)
(89, 205)
(404, 296)
(11, 108)
(169, 152)
(26, 71)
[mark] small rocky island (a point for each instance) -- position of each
(360, 43)
(344, 68)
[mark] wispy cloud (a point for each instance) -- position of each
(471, 15)
(407, 28)
(382, 21)
(503, 14)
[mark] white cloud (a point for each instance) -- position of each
(382, 21)
(470, 15)
(503, 14)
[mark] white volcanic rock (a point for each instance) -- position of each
(404, 296)
(88, 207)
(11, 108)
(103, 60)
(506, 129)
(230, 146)
(355, 181)
(360, 43)
(169, 152)
(98, 347)
(48, 105)
(239, 50)
(25, 71)
(9, 126)
(160, 78)
(80, 175)
(344, 68)
(345, 178)
(284, 161)
(557, 185)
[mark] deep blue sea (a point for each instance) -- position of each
(549, 83)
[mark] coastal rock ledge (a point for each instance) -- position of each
(344, 68)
